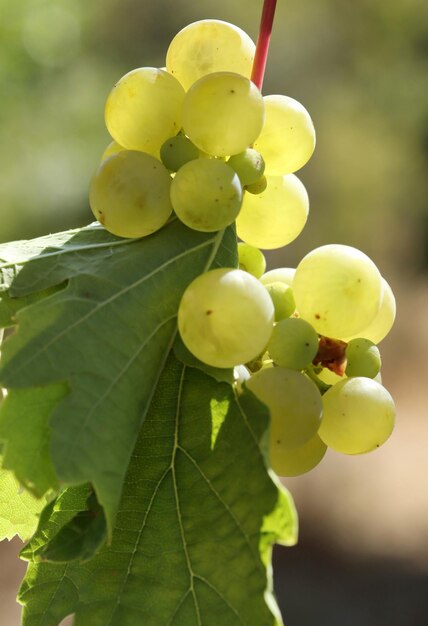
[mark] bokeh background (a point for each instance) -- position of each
(361, 69)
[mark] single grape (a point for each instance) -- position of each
(299, 460)
(129, 194)
(359, 416)
(279, 274)
(251, 259)
(112, 148)
(144, 109)
(209, 46)
(249, 166)
(294, 403)
(384, 320)
(282, 298)
(363, 358)
(258, 187)
(225, 317)
(276, 216)
(223, 113)
(177, 151)
(293, 343)
(206, 194)
(337, 289)
(287, 140)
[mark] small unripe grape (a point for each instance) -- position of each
(251, 259)
(258, 187)
(282, 298)
(177, 151)
(279, 274)
(363, 358)
(249, 166)
(293, 344)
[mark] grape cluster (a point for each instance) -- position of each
(198, 139)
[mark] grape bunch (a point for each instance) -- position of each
(198, 140)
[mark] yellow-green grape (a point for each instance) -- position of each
(287, 140)
(251, 259)
(338, 290)
(144, 109)
(129, 194)
(209, 46)
(206, 194)
(279, 274)
(359, 416)
(293, 343)
(384, 320)
(294, 403)
(299, 460)
(223, 113)
(329, 377)
(249, 165)
(363, 358)
(112, 148)
(282, 298)
(225, 317)
(177, 151)
(274, 218)
(258, 187)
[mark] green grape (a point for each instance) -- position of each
(293, 344)
(112, 148)
(329, 377)
(251, 259)
(282, 298)
(206, 194)
(338, 290)
(384, 320)
(359, 416)
(225, 317)
(223, 113)
(288, 137)
(294, 403)
(279, 274)
(129, 194)
(299, 460)
(363, 358)
(209, 46)
(144, 109)
(258, 187)
(274, 218)
(177, 151)
(249, 166)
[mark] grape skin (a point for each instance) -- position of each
(177, 151)
(299, 460)
(294, 403)
(384, 320)
(249, 166)
(359, 416)
(280, 274)
(293, 344)
(282, 298)
(251, 259)
(209, 46)
(225, 317)
(112, 148)
(363, 358)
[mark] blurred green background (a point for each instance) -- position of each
(361, 69)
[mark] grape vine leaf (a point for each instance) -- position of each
(106, 334)
(198, 516)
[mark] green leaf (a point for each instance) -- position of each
(107, 335)
(19, 510)
(198, 516)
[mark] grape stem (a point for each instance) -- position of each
(263, 40)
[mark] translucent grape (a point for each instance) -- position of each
(294, 403)
(338, 290)
(223, 113)
(144, 109)
(251, 259)
(282, 298)
(329, 377)
(299, 460)
(249, 166)
(363, 358)
(279, 274)
(209, 46)
(129, 194)
(225, 317)
(112, 148)
(258, 187)
(177, 151)
(288, 137)
(206, 194)
(359, 416)
(384, 320)
(276, 216)
(293, 344)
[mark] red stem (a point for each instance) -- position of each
(262, 47)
